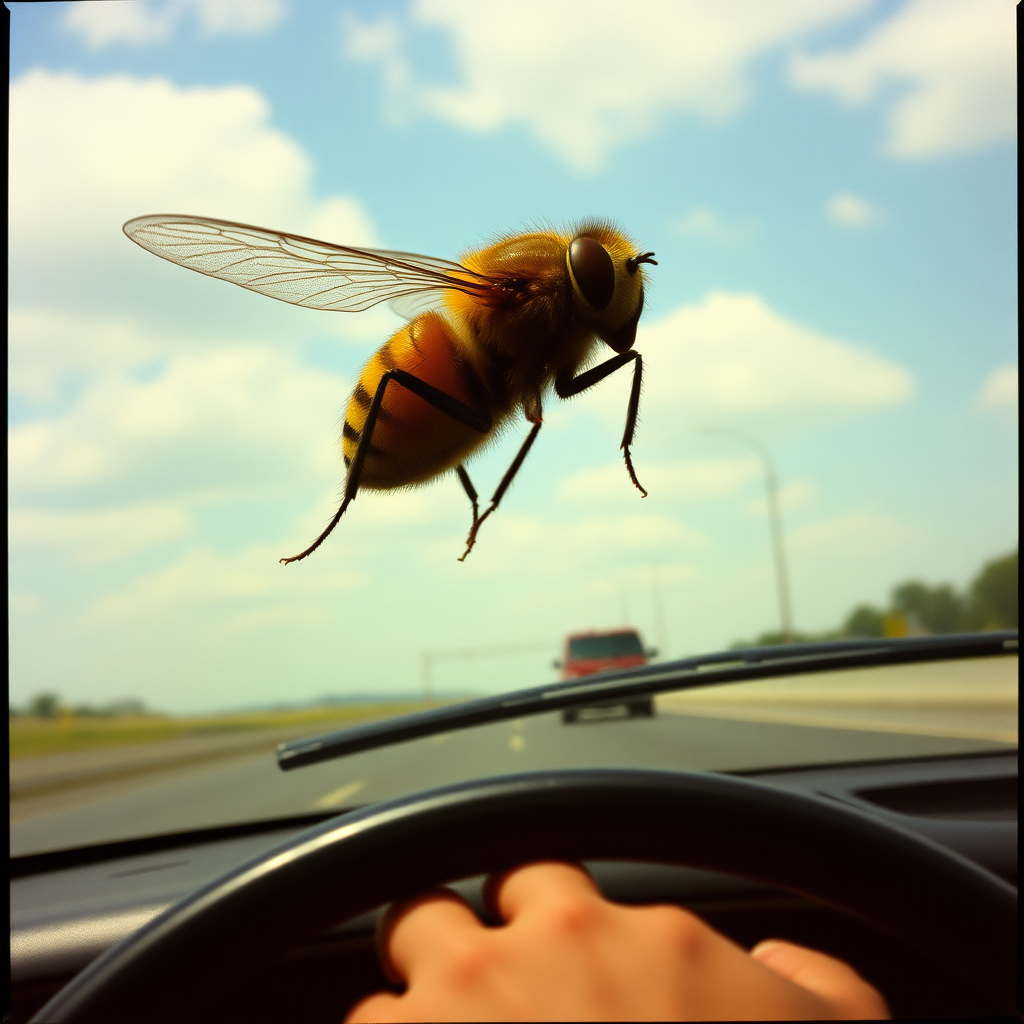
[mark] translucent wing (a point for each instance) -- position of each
(409, 306)
(301, 270)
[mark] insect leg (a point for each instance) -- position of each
(573, 386)
(533, 414)
(459, 411)
(467, 486)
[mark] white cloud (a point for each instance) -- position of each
(250, 418)
(851, 211)
(88, 154)
(378, 522)
(381, 42)
(732, 356)
(99, 535)
(45, 348)
(681, 480)
(999, 392)
(954, 64)
(586, 78)
(561, 549)
(238, 17)
(100, 22)
(705, 223)
(206, 579)
(48, 350)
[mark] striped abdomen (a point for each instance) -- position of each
(412, 441)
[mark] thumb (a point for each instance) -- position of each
(837, 983)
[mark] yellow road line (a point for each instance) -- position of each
(338, 796)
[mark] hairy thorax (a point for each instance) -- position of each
(529, 331)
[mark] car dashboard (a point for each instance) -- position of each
(68, 907)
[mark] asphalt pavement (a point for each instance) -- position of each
(48, 773)
(250, 786)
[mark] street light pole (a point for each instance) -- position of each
(781, 575)
(428, 682)
(774, 522)
(658, 602)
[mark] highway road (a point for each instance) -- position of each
(249, 786)
(49, 773)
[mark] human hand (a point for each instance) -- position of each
(566, 953)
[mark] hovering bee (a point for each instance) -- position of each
(484, 337)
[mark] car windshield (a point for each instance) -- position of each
(614, 645)
(885, 712)
(672, 330)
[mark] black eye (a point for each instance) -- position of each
(593, 271)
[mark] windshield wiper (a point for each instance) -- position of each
(607, 687)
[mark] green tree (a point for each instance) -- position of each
(864, 621)
(775, 637)
(993, 599)
(990, 604)
(939, 609)
(45, 705)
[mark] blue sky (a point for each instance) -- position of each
(830, 188)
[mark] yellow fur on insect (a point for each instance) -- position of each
(517, 318)
(569, 331)
(496, 356)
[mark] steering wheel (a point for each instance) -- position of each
(939, 902)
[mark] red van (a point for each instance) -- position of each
(585, 654)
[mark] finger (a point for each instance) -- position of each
(413, 936)
(830, 979)
(380, 1007)
(537, 885)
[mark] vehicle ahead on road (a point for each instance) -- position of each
(857, 797)
(586, 654)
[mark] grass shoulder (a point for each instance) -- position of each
(31, 735)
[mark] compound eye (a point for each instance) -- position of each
(592, 271)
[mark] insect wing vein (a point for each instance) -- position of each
(295, 269)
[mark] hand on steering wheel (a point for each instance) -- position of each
(246, 920)
(566, 953)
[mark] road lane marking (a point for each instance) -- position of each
(338, 796)
(516, 742)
